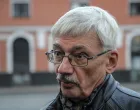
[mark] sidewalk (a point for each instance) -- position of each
(29, 89)
(50, 88)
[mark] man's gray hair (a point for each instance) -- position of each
(80, 21)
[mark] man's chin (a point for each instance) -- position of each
(69, 90)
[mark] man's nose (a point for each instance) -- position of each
(65, 66)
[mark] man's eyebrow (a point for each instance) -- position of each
(56, 46)
(78, 47)
(73, 49)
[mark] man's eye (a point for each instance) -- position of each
(58, 53)
(80, 56)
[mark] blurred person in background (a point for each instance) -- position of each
(84, 55)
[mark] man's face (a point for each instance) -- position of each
(81, 80)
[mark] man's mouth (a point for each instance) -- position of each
(67, 82)
(67, 85)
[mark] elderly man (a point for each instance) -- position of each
(84, 55)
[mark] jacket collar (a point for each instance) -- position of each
(104, 93)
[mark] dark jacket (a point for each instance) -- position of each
(111, 96)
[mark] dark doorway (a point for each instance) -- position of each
(21, 61)
(21, 55)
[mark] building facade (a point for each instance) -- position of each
(25, 27)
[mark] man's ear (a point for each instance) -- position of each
(112, 61)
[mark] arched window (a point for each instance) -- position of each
(21, 55)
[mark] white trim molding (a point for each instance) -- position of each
(128, 42)
(120, 39)
(129, 27)
(3, 37)
(10, 41)
(24, 28)
(50, 45)
(41, 39)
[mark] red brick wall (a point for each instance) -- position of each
(2, 56)
(43, 12)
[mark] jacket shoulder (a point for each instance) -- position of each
(52, 104)
(125, 99)
(47, 105)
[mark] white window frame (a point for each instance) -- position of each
(12, 2)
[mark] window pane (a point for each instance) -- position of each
(135, 47)
(76, 4)
(21, 10)
(135, 8)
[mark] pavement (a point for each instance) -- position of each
(29, 89)
(26, 97)
(49, 88)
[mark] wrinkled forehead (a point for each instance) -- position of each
(74, 47)
(91, 37)
(85, 43)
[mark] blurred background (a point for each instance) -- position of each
(27, 79)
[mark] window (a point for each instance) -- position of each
(79, 3)
(135, 58)
(134, 7)
(20, 8)
(136, 44)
